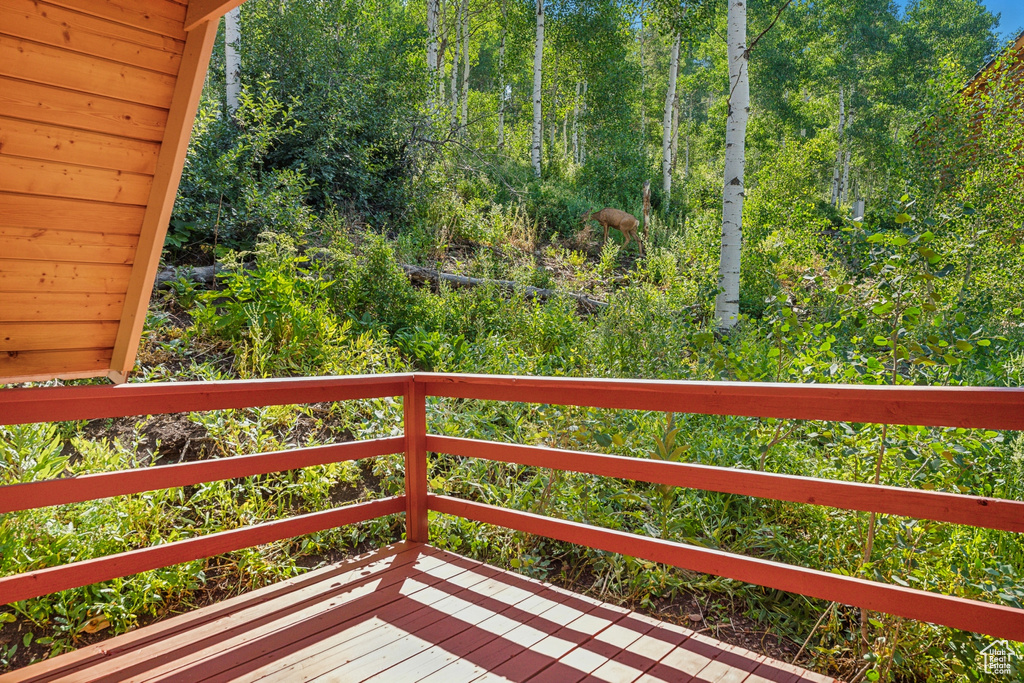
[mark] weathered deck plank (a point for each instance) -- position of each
(411, 612)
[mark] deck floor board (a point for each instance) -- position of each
(411, 612)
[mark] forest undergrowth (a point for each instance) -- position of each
(336, 301)
(311, 199)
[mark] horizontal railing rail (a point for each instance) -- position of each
(20, 406)
(969, 407)
(45, 581)
(56, 404)
(977, 511)
(40, 494)
(969, 615)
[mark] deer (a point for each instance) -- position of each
(620, 220)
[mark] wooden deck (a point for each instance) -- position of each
(410, 612)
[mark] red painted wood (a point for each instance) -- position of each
(988, 513)
(415, 408)
(981, 407)
(163, 634)
(969, 615)
(40, 494)
(54, 404)
(44, 581)
(227, 648)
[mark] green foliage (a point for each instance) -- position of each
(341, 165)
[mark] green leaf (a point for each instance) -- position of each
(880, 340)
(984, 342)
(964, 345)
(877, 237)
(903, 218)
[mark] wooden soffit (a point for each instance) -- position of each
(97, 100)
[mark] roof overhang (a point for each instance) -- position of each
(97, 100)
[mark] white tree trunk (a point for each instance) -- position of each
(845, 194)
(553, 103)
(433, 10)
(456, 45)
(232, 58)
(643, 92)
(807, 98)
(538, 64)
(666, 133)
(501, 80)
(689, 118)
(464, 118)
(686, 160)
(675, 132)
(583, 128)
(565, 133)
(576, 126)
(837, 168)
(727, 304)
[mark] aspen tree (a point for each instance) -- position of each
(727, 304)
(232, 58)
(538, 64)
(666, 134)
(501, 78)
(464, 118)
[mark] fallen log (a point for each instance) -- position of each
(420, 274)
(208, 274)
(204, 274)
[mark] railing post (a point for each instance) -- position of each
(415, 405)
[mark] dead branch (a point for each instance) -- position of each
(435, 277)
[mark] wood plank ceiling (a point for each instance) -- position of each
(97, 99)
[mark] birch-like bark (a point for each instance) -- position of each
(433, 10)
(643, 92)
(456, 44)
(232, 58)
(675, 132)
(576, 126)
(501, 79)
(727, 304)
(666, 133)
(837, 168)
(807, 98)
(538, 63)
(583, 128)
(464, 118)
(553, 104)
(689, 119)
(442, 47)
(845, 194)
(565, 133)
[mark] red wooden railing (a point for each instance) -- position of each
(971, 407)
